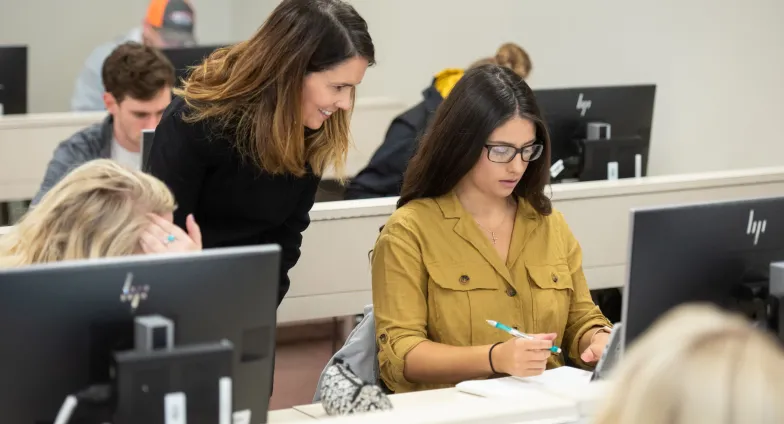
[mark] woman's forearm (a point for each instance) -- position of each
(436, 363)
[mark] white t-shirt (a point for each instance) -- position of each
(124, 157)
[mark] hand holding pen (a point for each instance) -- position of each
(524, 355)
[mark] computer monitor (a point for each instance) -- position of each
(13, 80)
(628, 110)
(61, 322)
(714, 252)
(183, 58)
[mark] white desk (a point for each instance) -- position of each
(282, 416)
(27, 142)
(401, 401)
(332, 277)
(26, 146)
(452, 406)
(329, 282)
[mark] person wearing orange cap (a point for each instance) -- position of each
(168, 23)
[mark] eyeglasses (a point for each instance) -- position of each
(502, 153)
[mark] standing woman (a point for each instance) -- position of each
(244, 144)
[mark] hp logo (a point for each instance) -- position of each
(756, 228)
(133, 294)
(583, 105)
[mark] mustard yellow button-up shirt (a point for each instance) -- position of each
(437, 277)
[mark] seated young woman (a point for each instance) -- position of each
(99, 209)
(475, 238)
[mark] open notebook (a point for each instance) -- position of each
(557, 380)
(565, 382)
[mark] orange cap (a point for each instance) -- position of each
(173, 19)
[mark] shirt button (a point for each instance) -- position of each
(383, 338)
(464, 279)
(555, 278)
(511, 292)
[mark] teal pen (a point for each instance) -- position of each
(512, 331)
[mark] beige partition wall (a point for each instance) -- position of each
(333, 275)
(26, 146)
(27, 142)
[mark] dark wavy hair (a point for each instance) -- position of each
(484, 99)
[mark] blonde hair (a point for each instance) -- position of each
(698, 365)
(97, 210)
(509, 55)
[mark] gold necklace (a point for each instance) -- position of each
(492, 233)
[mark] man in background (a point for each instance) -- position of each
(138, 81)
(169, 23)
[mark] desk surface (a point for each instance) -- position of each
(329, 282)
(454, 406)
(336, 282)
(401, 401)
(286, 416)
(27, 141)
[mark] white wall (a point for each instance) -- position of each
(248, 15)
(716, 62)
(60, 36)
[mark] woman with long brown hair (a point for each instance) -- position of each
(383, 175)
(245, 142)
(474, 239)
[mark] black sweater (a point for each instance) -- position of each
(234, 202)
(383, 176)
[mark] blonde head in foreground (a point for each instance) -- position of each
(99, 209)
(698, 365)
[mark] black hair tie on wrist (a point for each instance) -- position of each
(490, 358)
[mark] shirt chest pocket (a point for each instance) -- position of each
(461, 296)
(552, 289)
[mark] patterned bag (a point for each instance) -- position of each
(343, 393)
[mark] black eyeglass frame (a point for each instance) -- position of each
(536, 154)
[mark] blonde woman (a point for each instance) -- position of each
(99, 209)
(699, 365)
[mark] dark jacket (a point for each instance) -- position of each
(383, 176)
(234, 202)
(93, 142)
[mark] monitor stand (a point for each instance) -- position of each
(612, 158)
(776, 299)
(762, 301)
(157, 382)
